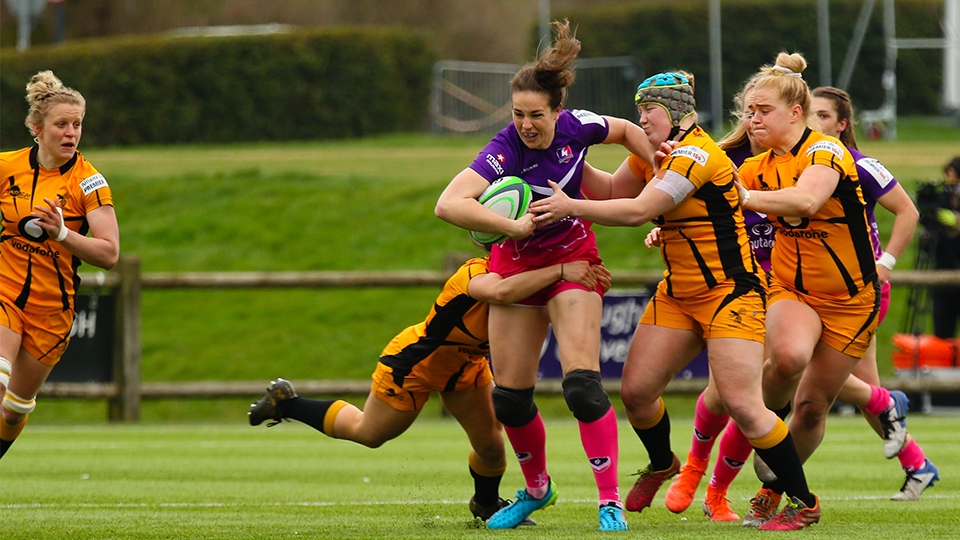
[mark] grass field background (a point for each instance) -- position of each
(233, 481)
(341, 205)
(194, 469)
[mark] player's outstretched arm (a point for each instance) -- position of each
(495, 289)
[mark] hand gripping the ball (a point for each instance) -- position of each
(552, 209)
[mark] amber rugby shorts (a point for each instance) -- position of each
(848, 325)
(723, 312)
(45, 335)
(407, 389)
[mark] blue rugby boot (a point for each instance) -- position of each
(611, 518)
(513, 514)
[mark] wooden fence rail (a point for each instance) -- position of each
(126, 281)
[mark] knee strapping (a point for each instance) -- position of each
(514, 408)
(17, 404)
(585, 396)
(5, 370)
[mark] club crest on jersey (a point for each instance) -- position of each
(699, 155)
(827, 146)
(600, 464)
(564, 154)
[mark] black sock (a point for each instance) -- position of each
(657, 442)
(4, 446)
(784, 461)
(782, 413)
(486, 489)
(311, 412)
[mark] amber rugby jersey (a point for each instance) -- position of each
(39, 274)
(454, 331)
(703, 240)
(830, 254)
(641, 168)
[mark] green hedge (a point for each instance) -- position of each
(307, 84)
(674, 34)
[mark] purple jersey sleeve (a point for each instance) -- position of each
(500, 153)
(875, 182)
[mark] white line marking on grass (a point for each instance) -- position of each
(356, 503)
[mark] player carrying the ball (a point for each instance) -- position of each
(546, 143)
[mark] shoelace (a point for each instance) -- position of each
(790, 511)
(646, 472)
(763, 503)
(910, 476)
(889, 426)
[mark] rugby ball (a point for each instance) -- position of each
(509, 197)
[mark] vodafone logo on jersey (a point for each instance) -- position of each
(564, 154)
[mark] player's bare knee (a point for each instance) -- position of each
(638, 403)
(514, 408)
(372, 442)
(787, 364)
(751, 419)
(584, 394)
(811, 412)
(491, 454)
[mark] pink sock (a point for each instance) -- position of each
(706, 427)
(600, 442)
(912, 457)
(879, 400)
(530, 445)
(733, 453)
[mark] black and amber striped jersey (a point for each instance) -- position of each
(830, 254)
(454, 330)
(39, 274)
(703, 241)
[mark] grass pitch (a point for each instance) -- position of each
(232, 481)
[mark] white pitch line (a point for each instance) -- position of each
(358, 503)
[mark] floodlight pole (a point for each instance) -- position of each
(716, 68)
(951, 55)
(545, 37)
(889, 79)
(823, 32)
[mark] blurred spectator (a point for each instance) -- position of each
(946, 299)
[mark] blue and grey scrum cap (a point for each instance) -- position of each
(671, 91)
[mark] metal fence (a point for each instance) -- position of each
(474, 97)
(126, 390)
